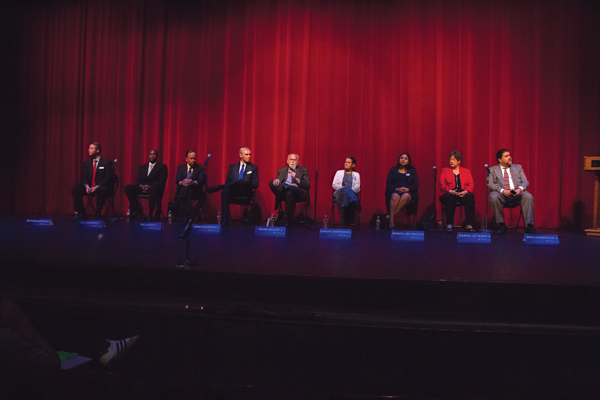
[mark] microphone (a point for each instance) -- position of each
(206, 161)
(113, 166)
(488, 168)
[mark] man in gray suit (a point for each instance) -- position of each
(508, 185)
(291, 185)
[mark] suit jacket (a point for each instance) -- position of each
(157, 177)
(198, 175)
(447, 181)
(104, 172)
(495, 180)
(248, 182)
(302, 179)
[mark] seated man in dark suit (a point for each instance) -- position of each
(291, 185)
(151, 180)
(242, 178)
(190, 183)
(508, 185)
(97, 178)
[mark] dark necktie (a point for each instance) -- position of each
(94, 174)
(506, 181)
(242, 171)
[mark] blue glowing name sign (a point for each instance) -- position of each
(91, 224)
(270, 231)
(335, 234)
(149, 226)
(40, 222)
(470, 237)
(408, 236)
(544, 240)
(207, 229)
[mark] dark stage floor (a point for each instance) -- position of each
(303, 317)
(369, 254)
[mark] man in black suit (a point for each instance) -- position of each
(151, 180)
(96, 178)
(190, 183)
(291, 185)
(242, 178)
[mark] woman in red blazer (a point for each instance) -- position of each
(456, 188)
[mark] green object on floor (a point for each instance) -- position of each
(65, 356)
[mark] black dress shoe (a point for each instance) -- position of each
(78, 216)
(501, 230)
(531, 230)
(449, 229)
(225, 222)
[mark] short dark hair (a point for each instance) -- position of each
(353, 161)
(98, 146)
(500, 153)
(456, 154)
(188, 152)
(409, 166)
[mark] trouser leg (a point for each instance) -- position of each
(131, 192)
(497, 201)
(527, 206)
(78, 191)
(469, 203)
(226, 194)
(101, 194)
(154, 197)
(449, 200)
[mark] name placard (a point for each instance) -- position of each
(547, 240)
(149, 226)
(207, 229)
(40, 222)
(270, 231)
(91, 224)
(335, 233)
(471, 237)
(408, 236)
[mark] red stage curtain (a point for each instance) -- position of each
(324, 79)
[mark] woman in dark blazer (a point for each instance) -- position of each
(401, 186)
(456, 188)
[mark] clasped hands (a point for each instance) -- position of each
(402, 190)
(90, 189)
(145, 188)
(187, 182)
(459, 194)
(508, 193)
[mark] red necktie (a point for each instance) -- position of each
(506, 181)
(94, 175)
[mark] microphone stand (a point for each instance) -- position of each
(487, 200)
(313, 223)
(185, 234)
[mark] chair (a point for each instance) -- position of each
(158, 202)
(487, 210)
(110, 199)
(458, 205)
(412, 208)
(280, 211)
(332, 217)
(247, 202)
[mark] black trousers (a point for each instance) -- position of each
(155, 194)
(451, 201)
(227, 194)
(185, 196)
(78, 191)
(291, 196)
